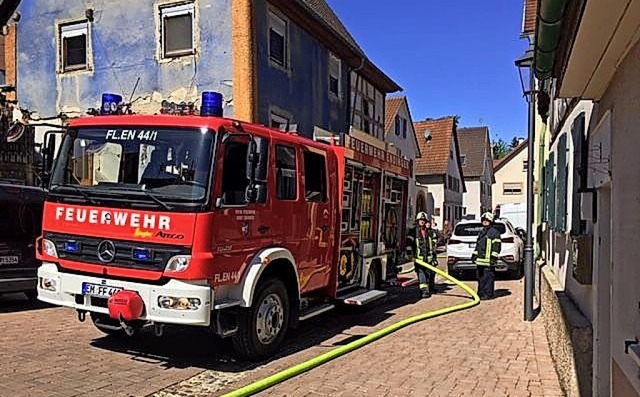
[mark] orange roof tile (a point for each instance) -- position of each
(435, 153)
(391, 109)
(529, 18)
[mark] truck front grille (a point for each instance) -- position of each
(87, 251)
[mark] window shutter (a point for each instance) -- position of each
(561, 211)
(551, 202)
(579, 170)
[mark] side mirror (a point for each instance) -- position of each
(48, 155)
(262, 166)
(250, 162)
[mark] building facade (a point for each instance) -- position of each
(400, 134)
(510, 172)
(290, 65)
(590, 208)
(439, 169)
(477, 167)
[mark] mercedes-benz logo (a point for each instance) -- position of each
(106, 251)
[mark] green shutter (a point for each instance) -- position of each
(561, 209)
(552, 191)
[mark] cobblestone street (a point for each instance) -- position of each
(487, 350)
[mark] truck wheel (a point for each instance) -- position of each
(373, 279)
(100, 320)
(262, 326)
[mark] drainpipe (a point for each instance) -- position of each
(548, 30)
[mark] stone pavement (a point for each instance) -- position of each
(484, 351)
(487, 350)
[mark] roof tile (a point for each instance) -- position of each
(474, 143)
(391, 109)
(435, 153)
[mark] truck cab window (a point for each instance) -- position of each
(286, 175)
(234, 181)
(315, 177)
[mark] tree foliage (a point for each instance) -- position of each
(500, 149)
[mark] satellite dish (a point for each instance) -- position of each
(427, 135)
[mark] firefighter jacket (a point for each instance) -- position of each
(424, 247)
(487, 247)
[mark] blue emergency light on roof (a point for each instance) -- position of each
(211, 104)
(110, 103)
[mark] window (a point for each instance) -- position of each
(463, 159)
(279, 122)
(315, 177)
(335, 73)
(404, 128)
(525, 164)
(74, 46)
(234, 182)
(278, 39)
(512, 189)
(397, 125)
(177, 30)
(286, 180)
(472, 229)
(173, 165)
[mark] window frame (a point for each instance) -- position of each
(511, 191)
(280, 25)
(295, 172)
(71, 30)
(335, 62)
(176, 10)
(325, 185)
(278, 118)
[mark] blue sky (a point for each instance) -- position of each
(451, 57)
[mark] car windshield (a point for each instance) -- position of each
(473, 229)
(157, 165)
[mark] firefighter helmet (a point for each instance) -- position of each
(487, 216)
(422, 215)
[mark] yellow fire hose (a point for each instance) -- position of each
(298, 369)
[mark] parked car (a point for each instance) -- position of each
(463, 243)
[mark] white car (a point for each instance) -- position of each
(463, 242)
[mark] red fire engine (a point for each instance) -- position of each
(202, 220)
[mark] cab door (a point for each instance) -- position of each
(241, 222)
(315, 268)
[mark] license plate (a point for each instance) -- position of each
(9, 260)
(100, 291)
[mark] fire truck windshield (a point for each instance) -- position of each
(166, 167)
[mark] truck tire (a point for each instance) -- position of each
(262, 327)
(373, 277)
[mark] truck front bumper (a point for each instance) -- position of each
(65, 289)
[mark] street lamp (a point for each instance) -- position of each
(527, 81)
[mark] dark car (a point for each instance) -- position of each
(20, 223)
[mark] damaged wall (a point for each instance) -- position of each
(123, 44)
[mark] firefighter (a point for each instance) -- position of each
(422, 240)
(485, 256)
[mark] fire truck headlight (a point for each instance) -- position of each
(49, 248)
(178, 303)
(48, 284)
(178, 263)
